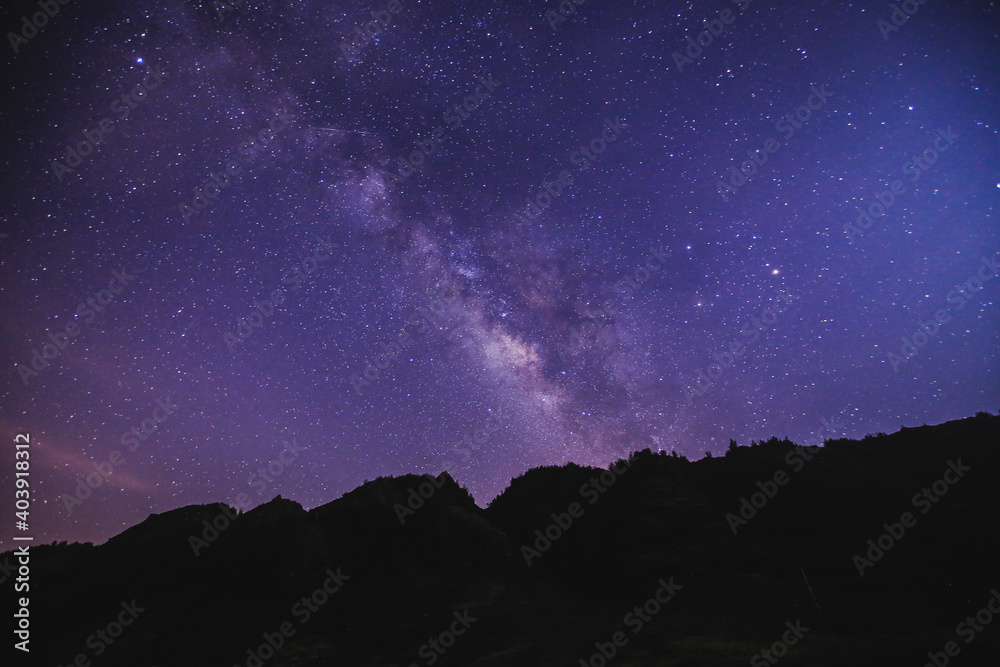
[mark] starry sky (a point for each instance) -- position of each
(285, 247)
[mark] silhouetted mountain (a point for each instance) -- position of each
(559, 563)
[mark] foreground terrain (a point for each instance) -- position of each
(656, 562)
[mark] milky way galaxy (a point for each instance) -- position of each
(277, 247)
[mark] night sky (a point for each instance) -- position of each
(482, 237)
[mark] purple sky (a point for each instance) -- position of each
(550, 275)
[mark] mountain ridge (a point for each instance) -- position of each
(767, 533)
